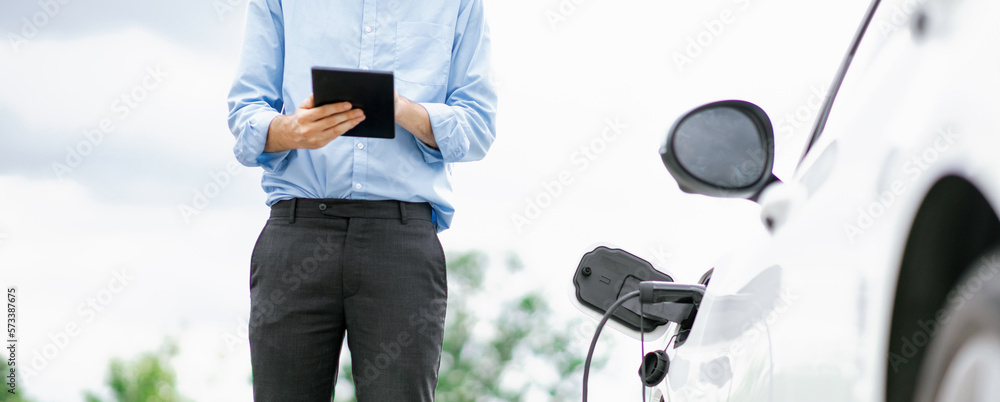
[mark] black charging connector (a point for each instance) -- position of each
(650, 293)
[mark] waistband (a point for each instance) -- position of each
(340, 208)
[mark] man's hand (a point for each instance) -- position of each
(414, 118)
(311, 127)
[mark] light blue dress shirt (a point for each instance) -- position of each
(439, 51)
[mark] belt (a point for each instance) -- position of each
(340, 208)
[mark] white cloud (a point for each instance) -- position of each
(65, 249)
(170, 130)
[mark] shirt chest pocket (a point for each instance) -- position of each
(423, 52)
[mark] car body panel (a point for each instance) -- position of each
(806, 314)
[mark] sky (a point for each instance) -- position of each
(125, 218)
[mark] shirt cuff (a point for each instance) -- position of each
(451, 147)
(251, 153)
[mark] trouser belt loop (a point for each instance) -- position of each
(402, 212)
(291, 214)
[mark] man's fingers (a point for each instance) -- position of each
(330, 122)
(315, 131)
(323, 136)
(333, 108)
(344, 126)
(309, 116)
(331, 133)
(338, 118)
(324, 110)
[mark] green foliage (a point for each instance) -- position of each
(474, 366)
(5, 395)
(467, 271)
(146, 378)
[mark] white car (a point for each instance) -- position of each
(880, 280)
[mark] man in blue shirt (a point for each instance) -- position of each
(351, 245)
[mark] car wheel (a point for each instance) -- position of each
(963, 360)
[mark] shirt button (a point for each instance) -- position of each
(361, 146)
(357, 186)
(368, 29)
(322, 207)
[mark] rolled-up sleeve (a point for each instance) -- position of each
(255, 96)
(464, 126)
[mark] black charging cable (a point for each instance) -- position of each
(642, 348)
(597, 334)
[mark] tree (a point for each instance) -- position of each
(524, 336)
(146, 378)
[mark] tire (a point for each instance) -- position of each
(963, 360)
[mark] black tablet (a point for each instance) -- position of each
(370, 91)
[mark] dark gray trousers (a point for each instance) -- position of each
(374, 270)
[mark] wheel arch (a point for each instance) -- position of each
(954, 225)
